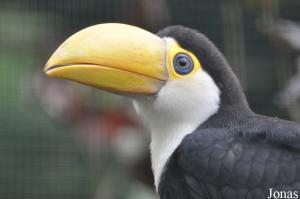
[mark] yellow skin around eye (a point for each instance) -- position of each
(173, 49)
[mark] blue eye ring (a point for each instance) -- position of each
(183, 64)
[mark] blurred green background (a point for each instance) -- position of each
(63, 140)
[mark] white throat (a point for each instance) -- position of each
(177, 110)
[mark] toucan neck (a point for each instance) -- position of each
(232, 95)
(228, 116)
(178, 109)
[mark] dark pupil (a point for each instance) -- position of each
(182, 62)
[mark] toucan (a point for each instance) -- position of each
(206, 142)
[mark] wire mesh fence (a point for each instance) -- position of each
(62, 140)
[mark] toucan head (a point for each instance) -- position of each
(178, 79)
(176, 74)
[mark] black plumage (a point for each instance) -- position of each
(236, 153)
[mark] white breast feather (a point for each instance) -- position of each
(177, 110)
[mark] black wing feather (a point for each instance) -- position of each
(242, 162)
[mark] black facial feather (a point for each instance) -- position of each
(212, 61)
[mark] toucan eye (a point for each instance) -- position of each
(183, 64)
